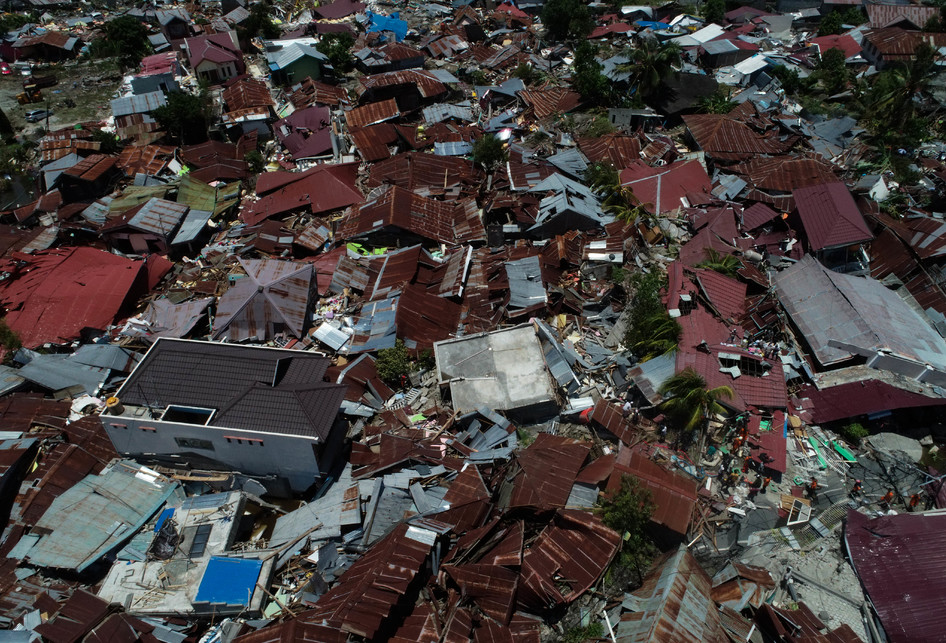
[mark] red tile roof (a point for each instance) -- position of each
(57, 293)
(830, 216)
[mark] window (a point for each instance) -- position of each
(199, 544)
(194, 443)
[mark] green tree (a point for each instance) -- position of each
(831, 72)
(602, 177)
(393, 362)
(691, 404)
(255, 162)
(108, 142)
(567, 19)
(831, 24)
(489, 152)
(526, 73)
(719, 102)
(651, 62)
(337, 48)
(627, 511)
(185, 117)
(714, 10)
(888, 104)
(124, 38)
(587, 78)
(259, 24)
(645, 303)
(11, 21)
(791, 82)
(725, 264)
(660, 335)
(854, 16)
(8, 337)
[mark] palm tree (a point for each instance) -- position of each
(661, 335)
(651, 62)
(725, 264)
(691, 403)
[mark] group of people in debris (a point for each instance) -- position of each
(886, 501)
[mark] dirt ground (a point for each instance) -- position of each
(89, 86)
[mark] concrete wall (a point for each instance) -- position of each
(292, 458)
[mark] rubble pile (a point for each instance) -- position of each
(542, 321)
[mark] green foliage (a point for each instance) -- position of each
(426, 360)
(393, 362)
(599, 126)
(660, 335)
(8, 337)
(691, 403)
(628, 511)
(489, 152)
(618, 275)
(566, 19)
(255, 162)
(526, 73)
(259, 24)
(578, 634)
(792, 83)
(853, 432)
(831, 24)
(587, 78)
(719, 102)
(714, 10)
(14, 157)
(524, 437)
(124, 38)
(603, 178)
(11, 21)
(725, 264)
(108, 142)
(650, 62)
(645, 304)
(337, 47)
(478, 77)
(184, 117)
(854, 16)
(831, 72)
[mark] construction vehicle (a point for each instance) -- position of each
(29, 96)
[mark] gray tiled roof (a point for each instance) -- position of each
(237, 382)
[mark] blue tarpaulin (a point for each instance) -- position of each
(392, 23)
(657, 26)
(229, 581)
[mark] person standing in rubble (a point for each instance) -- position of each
(857, 488)
(765, 483)
(914, 501)
(887, 500)
(813, 489)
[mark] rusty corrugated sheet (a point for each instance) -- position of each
(674, 494)
(675, 605)
(618, 149)
(373, 141)
(390, 272)
(547, 471)
(372, 113)
(416, 171)
(548, 102)
(565, 560)
(719, 133)
(426, 84)
(245, 93)
(881, 15)
(784, 173)
(92, 167)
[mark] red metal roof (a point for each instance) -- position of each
(726, 295)
(548, 102)
(243, 93)
(322, 189)
(757, 215)
(306, 132)
(618, 149)
(784, 173)
(664, 189)
(844, 42)
(372, 113)
(830, 216)
(92, 167)
(863, 398)
(54, 294)
(719, 135)
(881, 15)
(548, 468)
(901, 562)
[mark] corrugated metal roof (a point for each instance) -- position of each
(673, 604)
(900, 561)
(830, 216)
(526, 288)
(548, 102)
(159, 216)
(857, 312)
(192, 226)
(138, 103)
(372, 113)
(785, 173)
(375, 326)
(719, 134)
(273, 295)
(726, 295)
(881, 15)
(96, 515)
(863, 398)
(444, 111)
(674, 494)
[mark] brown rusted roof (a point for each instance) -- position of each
(92, 167)
(146, 159)
(439, 221)
(721, 136)
(548, 102)
(311, 92)
(894, 43)
(373, 141)
(426, 84)
(78, 615)
(372, 113)
(423, 318)
(547, 471)
(491, 587)
(675, 605)
(244, 92)
(565, 560)
(882, 15)
(417, 171)
(674, 494)
(784, 173)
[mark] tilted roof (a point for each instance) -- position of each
(830, 216)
